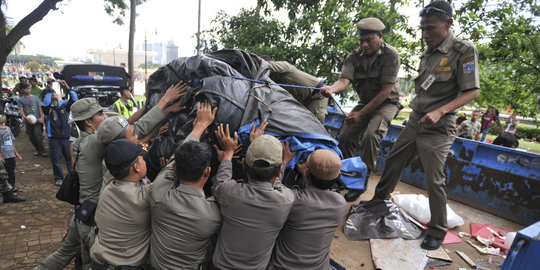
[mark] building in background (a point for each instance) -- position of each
(119, 57)
(172, 51)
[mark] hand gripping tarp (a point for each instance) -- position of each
(218, 78)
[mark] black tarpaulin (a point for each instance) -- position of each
(217, 77)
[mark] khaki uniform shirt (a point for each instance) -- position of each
(253, 214)
(285, 73)
(369, 72)
(306, 238)
(91, 155)
(469, 129)
(123, 219)
(445, 72)
(183, 220)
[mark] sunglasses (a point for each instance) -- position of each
(430, 10)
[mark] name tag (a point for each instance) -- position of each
(442, 69)
(428, 82)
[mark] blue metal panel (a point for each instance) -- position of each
(495, 179)
(523, 253)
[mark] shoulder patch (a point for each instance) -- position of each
(460, 46)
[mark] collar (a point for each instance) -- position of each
(379, 51)
(261, 184)
(191, 190)
(446, 44)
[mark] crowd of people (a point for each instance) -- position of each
(124, 221)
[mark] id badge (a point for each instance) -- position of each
(428, 82)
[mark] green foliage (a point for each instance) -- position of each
(117, 9)
(151, 65)
(41, 59)
(529, 133)
(508, 43)
(45, 67)
(32, 65)
(317, 36)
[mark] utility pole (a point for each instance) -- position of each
(145, 59)
(199, 30)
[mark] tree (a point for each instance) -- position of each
(317, 36)
(117, 8)
(32, 65)
(9, 39)
(508, 43)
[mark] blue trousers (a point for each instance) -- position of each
(59, 147)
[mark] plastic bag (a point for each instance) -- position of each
(417, 205)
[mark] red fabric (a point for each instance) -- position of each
(482, 231)
(450, 238)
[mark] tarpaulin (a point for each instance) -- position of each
(378, 219)
(216, 77)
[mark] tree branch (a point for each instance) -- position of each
(23, 27)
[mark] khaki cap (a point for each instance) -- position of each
(266, 148)
(324, 164)
(369, 25)
(111, 128)
(84, 108)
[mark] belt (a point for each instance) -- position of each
(97, 266)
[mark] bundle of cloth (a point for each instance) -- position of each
(238, 84)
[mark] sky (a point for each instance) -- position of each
(79, 25)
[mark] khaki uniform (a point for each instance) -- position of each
(123, 219)
(284, 73)
(183, 220)
(90, 179)
(469, 129)
(306, 238)
(253, 214)
(454, 66)
(367, 74)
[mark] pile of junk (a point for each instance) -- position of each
(238, 84)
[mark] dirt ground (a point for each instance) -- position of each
(31, 230)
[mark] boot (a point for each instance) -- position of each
(9, 197)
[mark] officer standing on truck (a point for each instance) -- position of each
(373, 70)
(447, 79)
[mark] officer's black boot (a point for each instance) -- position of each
(9, 197)
(353, 194)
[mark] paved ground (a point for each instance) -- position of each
(44, 221)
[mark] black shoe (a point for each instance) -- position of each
(431, 242)
(353, 195)
(10, 198)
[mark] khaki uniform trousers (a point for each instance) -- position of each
(70, 246)
(370, 130)
(431, 143)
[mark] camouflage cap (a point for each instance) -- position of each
(369, 25)
(324, 164)
(111, 128)
(266, 148)
(84, 109)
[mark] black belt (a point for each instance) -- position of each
(97, 266)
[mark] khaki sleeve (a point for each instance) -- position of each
(347, 70)
(148, 121)
(390, 68)
(468, 77)
(224, 174)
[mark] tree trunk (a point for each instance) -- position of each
(133, 14)
(7, 43)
